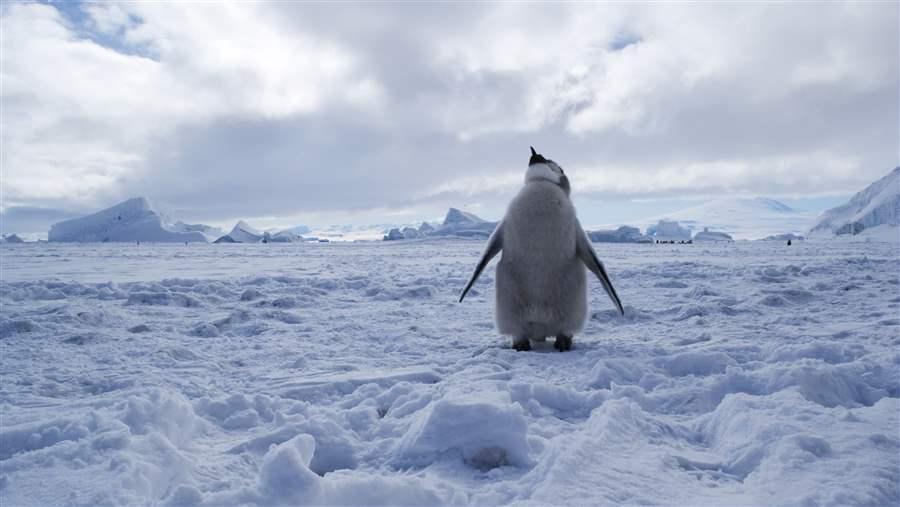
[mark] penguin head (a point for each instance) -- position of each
(543, 169)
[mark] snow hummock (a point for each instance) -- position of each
(457, 425)
(876, 205)
(742, 218)
(132, 220)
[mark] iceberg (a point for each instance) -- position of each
(242, 232)
(669, 230)
(876, 205)
(708, 235)
(11, 238)
(456, 223)
(132, 220)
(624, 234)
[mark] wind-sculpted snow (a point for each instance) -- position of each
(347, 374)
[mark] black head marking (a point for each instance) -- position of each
(536, 158)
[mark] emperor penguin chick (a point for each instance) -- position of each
(541, 283)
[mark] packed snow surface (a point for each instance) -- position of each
(346, 374)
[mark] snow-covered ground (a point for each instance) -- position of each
(742, 373)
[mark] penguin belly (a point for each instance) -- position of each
(540, 301)
(541, 284)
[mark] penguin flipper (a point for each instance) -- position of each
(586, 253)
(494, 245)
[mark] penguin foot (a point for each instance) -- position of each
(563, 343)
(522, 345)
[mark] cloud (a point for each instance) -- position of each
(314, 110)
(83, 117)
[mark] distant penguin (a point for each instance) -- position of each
(541, 284)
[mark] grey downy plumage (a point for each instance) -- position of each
(541, 283)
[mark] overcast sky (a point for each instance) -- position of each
(288, 113)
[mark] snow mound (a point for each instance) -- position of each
(876, 205)
(132, 220)
(285, 477)
(486, 433)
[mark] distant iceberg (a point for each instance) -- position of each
(11, 238)
(225, 239)
(209, 231)
(132, 220)
(285, 236)
(394, 235)
(242, 232)
(624, 234)
(456, 223)
(669, 230)
(784, 237)
(298, 230)
(708, 235)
